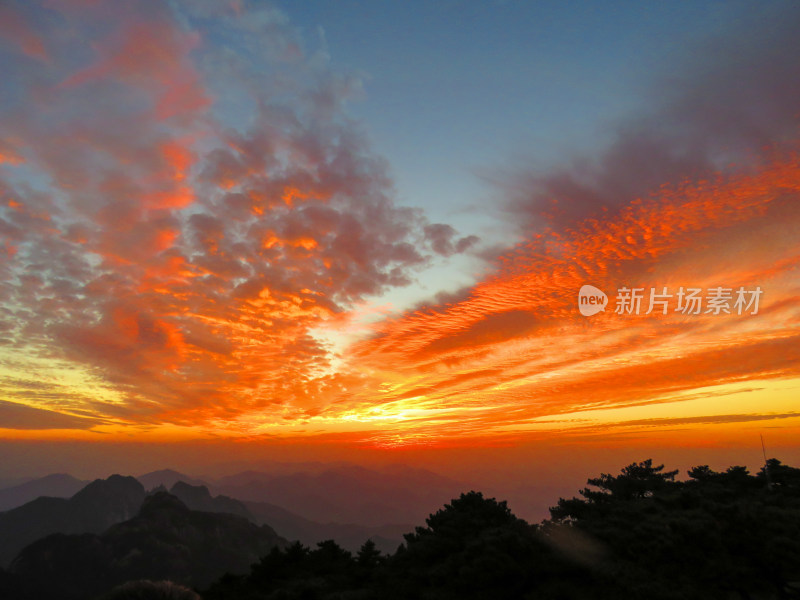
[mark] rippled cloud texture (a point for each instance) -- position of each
(188, 217)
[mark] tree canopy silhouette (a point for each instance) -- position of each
(640, 534)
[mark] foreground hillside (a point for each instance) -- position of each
(639, 535)
(93, 509)
(165, 540)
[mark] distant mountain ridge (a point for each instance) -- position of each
(347, 503)
(197, 497)
(57, 485)
(346, 494)
(167, 478)
(290, 525)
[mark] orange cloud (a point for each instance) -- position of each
(516, 349)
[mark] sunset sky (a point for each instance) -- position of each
(341, 230)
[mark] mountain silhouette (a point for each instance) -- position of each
(288, 524)
(197, 497)
(92, 510)
(167, 478)
(165, 540)
(59, 485)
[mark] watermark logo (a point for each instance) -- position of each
(687, 301)
(591, 300)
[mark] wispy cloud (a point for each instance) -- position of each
(15, 415)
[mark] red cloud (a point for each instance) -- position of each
(184, 261)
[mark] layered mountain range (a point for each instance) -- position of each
(346, 503)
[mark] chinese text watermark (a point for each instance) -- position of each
(665, 300)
